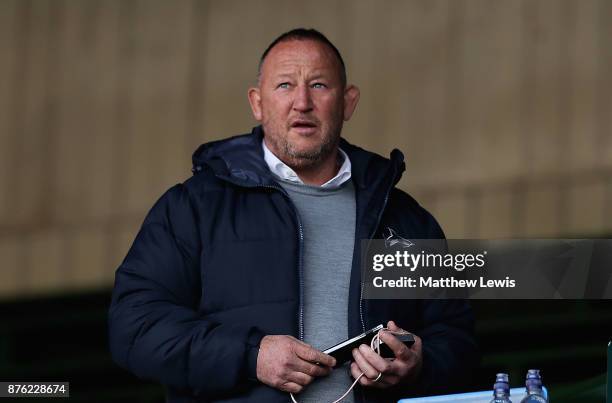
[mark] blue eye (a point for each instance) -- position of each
(319, 85)
(283, 85)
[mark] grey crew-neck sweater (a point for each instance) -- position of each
(328, 218)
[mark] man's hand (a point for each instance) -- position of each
(404, 368)
(289, 364)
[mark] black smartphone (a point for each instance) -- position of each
(343, 352)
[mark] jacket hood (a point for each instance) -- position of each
(240, 159)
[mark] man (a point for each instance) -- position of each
(241, 275)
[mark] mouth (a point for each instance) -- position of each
(303, 126)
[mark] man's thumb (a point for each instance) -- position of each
(392, 326)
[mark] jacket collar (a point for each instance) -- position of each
(240, 160)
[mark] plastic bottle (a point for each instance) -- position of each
(501, 389)
(533, 388)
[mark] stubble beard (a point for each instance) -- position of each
(305, 159)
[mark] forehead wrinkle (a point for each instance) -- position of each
(297, 55)
(289, 66)
(312, 75)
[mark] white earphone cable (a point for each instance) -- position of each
(375, 345)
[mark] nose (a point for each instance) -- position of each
(303, 100)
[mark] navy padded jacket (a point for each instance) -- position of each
(216, 266)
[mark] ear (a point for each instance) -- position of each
(255, 102)
(351, 97)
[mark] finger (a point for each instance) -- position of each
(400, 350)
(300, 342)
(360, 375)
(388, 380)
(380, 384)
(303, 344)
(364, 365)
(314, 356)
(418, 344)
(291, 387)
(392, 326)
(309, 368)
(383, 382)
(365, 381)
(299, 378)
(380, 364)
(416, 349)
(355, 370)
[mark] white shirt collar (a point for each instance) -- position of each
(283, 171)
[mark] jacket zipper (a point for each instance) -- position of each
(300, 258)
(301, 276)
(378, 219)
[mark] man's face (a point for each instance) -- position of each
(301, 102)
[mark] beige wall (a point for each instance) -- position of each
(502, 108)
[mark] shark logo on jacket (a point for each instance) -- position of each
(392, 239)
